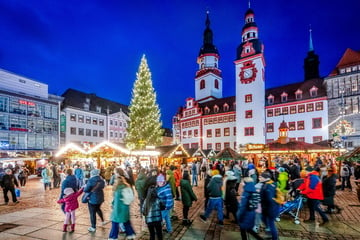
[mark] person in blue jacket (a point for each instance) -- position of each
(96, 186)
(246, 214)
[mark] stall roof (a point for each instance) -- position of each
(172, 151)
(228, 154)
(295, 145)
(195, 152)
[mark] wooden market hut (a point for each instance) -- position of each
(173, 155)
(196, 154)
(210, 153)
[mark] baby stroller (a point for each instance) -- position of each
(292, 208)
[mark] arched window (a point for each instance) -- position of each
(216, 84)
(202, 84)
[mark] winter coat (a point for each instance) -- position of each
(245, 216)
(165, 196)
(294, 172)
(69, 182)
(187, 194)
(9, 181)
(171, 179)
(329, 185)
(312, 186)
(97, 196)
(193, 169)
(71, 201)
(230, 195)
(120, 211)
(214, 186)
(46, 175)
(269, 207)
(283, 181)
(177, 176)
(154, 213)
(140, 185)
(237, 173)
(108, 173)
(206, 183)
(345, 171)
(79, 173)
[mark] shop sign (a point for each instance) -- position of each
(255, 147)
(178, 152)
(62, 123)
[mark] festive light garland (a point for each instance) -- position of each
(343, 128)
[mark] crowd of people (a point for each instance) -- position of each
(236, 190)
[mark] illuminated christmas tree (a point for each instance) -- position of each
(144, 124)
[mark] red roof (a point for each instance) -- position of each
(295, 145)
(349, 58)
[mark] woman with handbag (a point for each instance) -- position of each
(95, 189)
(123, 197)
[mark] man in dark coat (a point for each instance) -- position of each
(329, 188)
(8, 183)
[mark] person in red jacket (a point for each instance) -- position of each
(177, 176)
(312, 189)
(71, 204)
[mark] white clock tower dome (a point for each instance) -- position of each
(250, 85)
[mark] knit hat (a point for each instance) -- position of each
(266, 175)
(230, 175)
(281, 169)
(94, 172)
(160, 178)
(215, 172)
(68, 191)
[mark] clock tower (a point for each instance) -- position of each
(250, 85)
(208, 80)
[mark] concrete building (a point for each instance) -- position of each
(29, 115)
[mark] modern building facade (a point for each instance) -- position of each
(29, 115)
(343, 92)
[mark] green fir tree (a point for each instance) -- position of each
(144, 126)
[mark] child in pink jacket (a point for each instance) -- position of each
(71, 204)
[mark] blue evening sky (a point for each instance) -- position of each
(95, 46)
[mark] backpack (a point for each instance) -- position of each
(254, 200)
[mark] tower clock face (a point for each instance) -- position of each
(248, 73)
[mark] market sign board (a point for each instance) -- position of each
(255, 147)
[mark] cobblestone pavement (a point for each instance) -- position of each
(38, 216)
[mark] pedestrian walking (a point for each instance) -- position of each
(194, 174)
(151, 209)
(231, 203)
(23, 176)
(312, 189)
(123, 197)
(165, 196)
(139, 186)
(345, 174)
(270, 208)
(249, 201)
(47, 175)
(96, 186)
(187, 197)
(177, 176)
(206, 183)
(329, 189)
(215, 198)
(79, 174)
(8, 184)
(70, 199)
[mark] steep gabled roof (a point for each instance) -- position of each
(349, 58)
(76, 99)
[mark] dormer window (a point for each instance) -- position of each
(284, 97)
(87, 100)
(98, 109)
(226, 107)
(216, 109)
(86, 106)
(270, 99)
(207, 110)
(313, 91)
(298, 95)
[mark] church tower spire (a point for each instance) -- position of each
(208, 80)
(311, 62)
